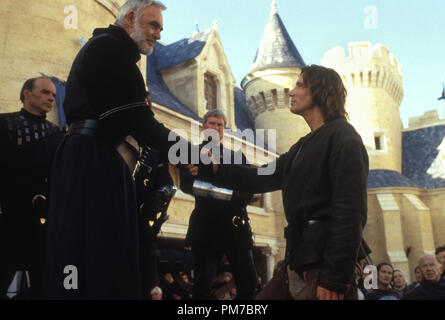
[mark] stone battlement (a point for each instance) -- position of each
(367, 66)
(268, 101)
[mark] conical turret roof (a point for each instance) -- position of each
(277, 50)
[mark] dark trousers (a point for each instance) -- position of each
(243, 270)
(148, 267)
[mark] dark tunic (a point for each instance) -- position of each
(324, 178)
(28, 145)
(210, 226)
(93, 214)
(213, 231)
(427, 290)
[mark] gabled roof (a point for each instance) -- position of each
(422, 160)
(159, 91)
(243, 116)
(182, 50)
(277, 50)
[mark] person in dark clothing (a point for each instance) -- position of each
(432, 286)
(171, 289)
(384, 290)
(154, 191)
(93, 221)
(28, 142)
(323, 178)
(440, 252)
(220, 227)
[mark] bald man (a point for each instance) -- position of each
(432, 286)
(28, 143)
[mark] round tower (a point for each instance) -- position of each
(373, 78)
(272, 76)
(44, 37)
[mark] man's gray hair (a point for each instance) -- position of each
(216, 114)
(156, 289)
(399, 270)
(435, 257)
(136, 6)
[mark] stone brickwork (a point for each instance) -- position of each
(373, 78)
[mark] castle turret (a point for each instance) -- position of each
(270, 79)
(373, 78)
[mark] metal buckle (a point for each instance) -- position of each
(236, 221)
(38, 197)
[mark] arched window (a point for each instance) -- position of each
(211, 91)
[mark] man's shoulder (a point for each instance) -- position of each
(104, 42)
(343, 131)
(10, 115)
(10, 119)
(412, 294)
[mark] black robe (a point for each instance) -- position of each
(28, 144)
(93, 223)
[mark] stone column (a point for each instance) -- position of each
(270, 254)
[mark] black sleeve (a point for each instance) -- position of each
(4, 145)
(245, 179)
(163, 177)
(115, 83)
(186, 180)
(349, 176)
(5, 148)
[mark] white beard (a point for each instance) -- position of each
(141, 40)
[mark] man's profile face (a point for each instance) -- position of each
(431, 269)
(301, 98)
(146, 29)
(215, 124)
(40, 100)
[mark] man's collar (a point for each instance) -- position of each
(31, 116)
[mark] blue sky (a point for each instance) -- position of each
(411, 29)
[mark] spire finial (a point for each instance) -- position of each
(443, 91)
(197, 24)
(274, 7)
(215, 25)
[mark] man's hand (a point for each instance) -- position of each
(194, 170)
(325, 294)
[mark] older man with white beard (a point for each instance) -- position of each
(92, 250)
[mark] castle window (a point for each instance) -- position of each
(379, 140)
(211, 91)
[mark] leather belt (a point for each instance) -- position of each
(85, 127)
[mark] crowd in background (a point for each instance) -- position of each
(391, 284)
(429, 283)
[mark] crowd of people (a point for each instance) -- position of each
(391, 283)
(179, 286)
